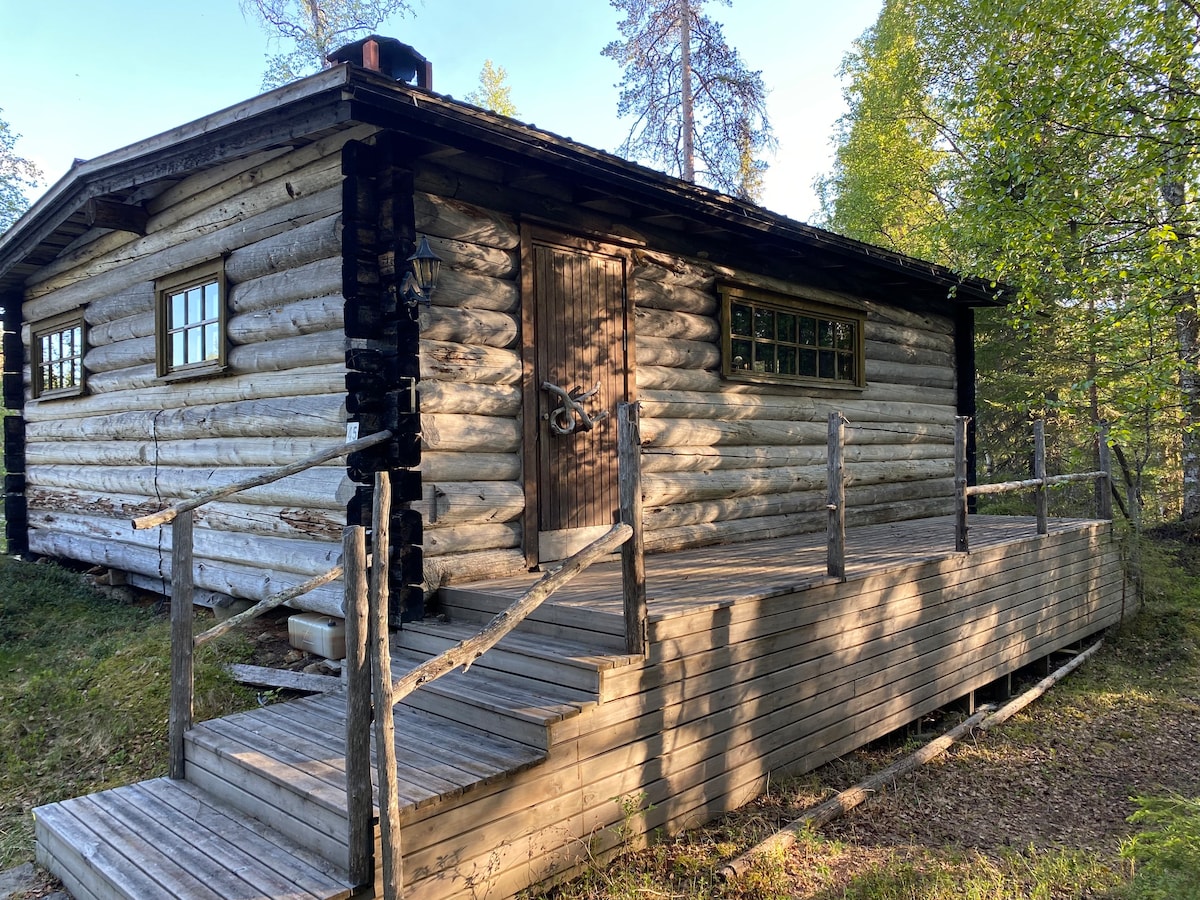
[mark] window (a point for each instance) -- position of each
(778, 338)
(191, 322)
(58, 350)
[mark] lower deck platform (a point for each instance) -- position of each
(758, 663)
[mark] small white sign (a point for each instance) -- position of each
(351, 432)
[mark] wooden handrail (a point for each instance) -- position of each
(162, 517)
(466, 652)
(267, 604)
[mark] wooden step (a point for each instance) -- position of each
(285, 763)
(574, 623)
(536, 657)
(494, 702)
(170, 839)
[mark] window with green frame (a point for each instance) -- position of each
(57, 350)
(191, 322)
(778, 338)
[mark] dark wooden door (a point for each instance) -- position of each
(579, 344)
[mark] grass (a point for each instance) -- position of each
(84, 683)
(1127, 697)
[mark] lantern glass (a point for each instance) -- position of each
(425, 266)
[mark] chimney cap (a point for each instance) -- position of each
(388, 56)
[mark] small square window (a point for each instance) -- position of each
(57, 356)
(191, 322)
(780, 338)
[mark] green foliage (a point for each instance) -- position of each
(309, 30)
(1051, 145)
(493, 92)
(84, 683)
(1166, 853)
(16, 176)
(713, 90)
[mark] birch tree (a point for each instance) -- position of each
(696, 110)
(309, 30)
(493, 92)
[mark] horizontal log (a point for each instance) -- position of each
(679, 325)
(319, 278)
(704, 459)
(461, 289)
(192, 245)
(483, 399)
(123, 355)
(897, 315)
(652, 351)
(470, 433)
(442, 360)
(135, 326)
(469, 326)
(313, 242)
(134, 299)
(133, 378)
(315, 416)
(212, 452)
(460, 568)
(471, 538)
(284, 354)
(300, 382)
(652, 265)
(264, 676)
(322, 487)
(245, 582)
(902, 353)
(464, 222)
(475, 258)
(245, 518)
(902, 373)
(465, 502)
(455, 466)
(664, 432)
(666, 295)
(884, 393)
(302, 557)
(301, 317)
(789, 288)
(938, 343)
(681, 487)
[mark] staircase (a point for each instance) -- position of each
(262, 811)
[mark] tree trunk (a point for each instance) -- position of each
(685, 83)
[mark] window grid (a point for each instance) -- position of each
(58, 363)
(191, 323)
(791, 343)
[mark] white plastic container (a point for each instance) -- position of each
(314, 633)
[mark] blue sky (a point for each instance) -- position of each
(81, 77)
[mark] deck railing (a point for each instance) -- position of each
(1038, 483)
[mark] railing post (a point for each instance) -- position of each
(179, 719)
(1039, 472)
(360, 862)
(960, 483)
(835, 551)
(381, 671)
(633, 563)
(1104, 485)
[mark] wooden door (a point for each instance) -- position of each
(577, 338)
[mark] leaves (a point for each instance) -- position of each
(493, 92)
(16, 176)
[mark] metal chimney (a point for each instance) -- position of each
(389, 57)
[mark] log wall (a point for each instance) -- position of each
(134, 444)
(724, 461)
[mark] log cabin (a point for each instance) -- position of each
(230, 297)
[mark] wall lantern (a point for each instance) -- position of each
(421, 279)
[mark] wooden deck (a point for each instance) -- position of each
(758, 663)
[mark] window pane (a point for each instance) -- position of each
(786, 325)
(764, 357)
(740, 318)
(808, 331)
(844, 333)
(846, 367)
(195, 352)
(827, 364)
(740, 351)
(211, 301)
(178, 358)
(194, 306)
(786, 359)
(76, 373)
(808, 363)
(210, 341)
(764, 323)
(825, 333)
(178, 310)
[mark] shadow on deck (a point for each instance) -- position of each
(509, 773)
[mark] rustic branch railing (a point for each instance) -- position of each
(181, 517)
(835, 550)
(1037, 484)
